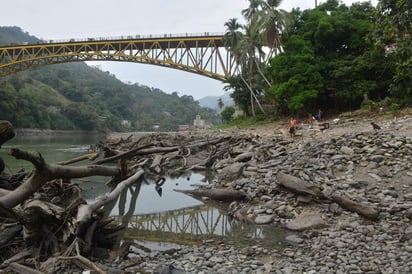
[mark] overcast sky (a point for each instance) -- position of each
(53, 19)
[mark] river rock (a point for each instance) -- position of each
(294, 239)
(232, 171)
(306, 220)
(263, 219)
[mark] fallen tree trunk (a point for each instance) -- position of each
(365, 210)
(221, 194)
(298, 186)
(45, 172)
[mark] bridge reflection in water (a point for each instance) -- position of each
(193, 225)
(151, 223)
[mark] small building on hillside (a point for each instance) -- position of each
(126, 123)
(199, 123)
(156, 126)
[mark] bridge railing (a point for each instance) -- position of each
(125, 37)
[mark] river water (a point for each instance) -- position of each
(154, 222)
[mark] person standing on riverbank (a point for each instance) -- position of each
(292, 127)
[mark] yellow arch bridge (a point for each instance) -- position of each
(202, 54)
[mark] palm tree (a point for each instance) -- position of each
(244, 48)
(232, 37)
(252, 50)
(264, 28)
(274, 22)
(255, 6)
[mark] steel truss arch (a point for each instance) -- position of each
(204, 55)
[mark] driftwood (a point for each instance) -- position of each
(90, 156)
(19, 268)
(45, 172)
(6, 131)
(84, 212)
(221, 194)
(362, 209)
(141, 151)
(156, 163)
(80, 261)
(298, 186)
(17, 258)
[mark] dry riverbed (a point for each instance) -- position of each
(370, 233)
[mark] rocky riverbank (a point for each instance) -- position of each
(372, 168)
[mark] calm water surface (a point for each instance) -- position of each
(155, 222)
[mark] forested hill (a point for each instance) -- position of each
(77, 96)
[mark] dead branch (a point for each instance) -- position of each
(221, 194)
(45, 172)
(78, 260)
(84, 212)
(90, 156)
(19, 268)
(140, 151)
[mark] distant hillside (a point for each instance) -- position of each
(15, 35)
(212, 101)
(76, 96)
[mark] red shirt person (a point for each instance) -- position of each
(292, 129)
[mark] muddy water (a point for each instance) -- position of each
(156, 220)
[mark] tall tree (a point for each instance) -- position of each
(255, 7)
(243, 46)
(232, 37)
(394, 33)
(274, 22)
(262, 26)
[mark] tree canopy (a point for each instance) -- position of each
(334, 57)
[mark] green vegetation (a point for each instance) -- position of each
(334, 57)
(227, 114)
(76, 96)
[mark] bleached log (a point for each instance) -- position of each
(156, 164)
(90, 156)
(84, 212)
(298, 186)
(19, 268)
(141, 151)
(78, 260)
(219, 194)
(45, 172)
